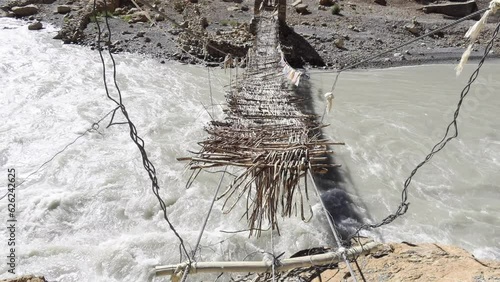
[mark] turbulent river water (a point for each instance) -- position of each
(90, 214)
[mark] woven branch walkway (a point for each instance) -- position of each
(265, 132)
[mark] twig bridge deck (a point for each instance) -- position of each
(267, 134)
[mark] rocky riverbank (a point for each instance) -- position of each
(322, 33)
(417, 262)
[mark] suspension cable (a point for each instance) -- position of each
(139, 142)
(188, 267)
(331, 222)
(93, 127)
(448, 136)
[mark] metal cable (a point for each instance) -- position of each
(332, 224)
(94, 126)
(403, 206)
(149, 167)
(188, 268)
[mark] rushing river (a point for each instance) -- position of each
(90, 214)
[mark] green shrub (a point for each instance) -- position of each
(126, 18)
(335, 9)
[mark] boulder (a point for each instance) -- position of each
(339, 43)
(25, 11)
(63, 9)
(326, 2)
(414, 28)
(203, 22)
(301, 9)
(35, 26)
(456, 9)
(138, 17)
(381, 2)
(159, 18)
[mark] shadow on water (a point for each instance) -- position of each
(332, 184)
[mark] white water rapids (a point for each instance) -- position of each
(90, 214)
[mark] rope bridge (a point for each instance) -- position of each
(265, 132)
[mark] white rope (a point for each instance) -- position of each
(329, 99)
(474, 32)
(332, 226)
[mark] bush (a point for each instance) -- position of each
(335, 9)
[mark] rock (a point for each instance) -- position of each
(233, 8)
(414, 28)
(203, 22)
(294, 4)
(424, 262)
(147, 39)
(245, 8)
(301, 9)
(138, 17)
(193, 1)
(457, 10)
(184, 24)
(120, 11)
(63, 9)
(133, 11)
(159, 18)
(140, 33)
(326, 2)
(175, 31)
(35, 26)
(25, 11)
(25, 278)
(353, 28)
(381, 2)
(339, 43)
